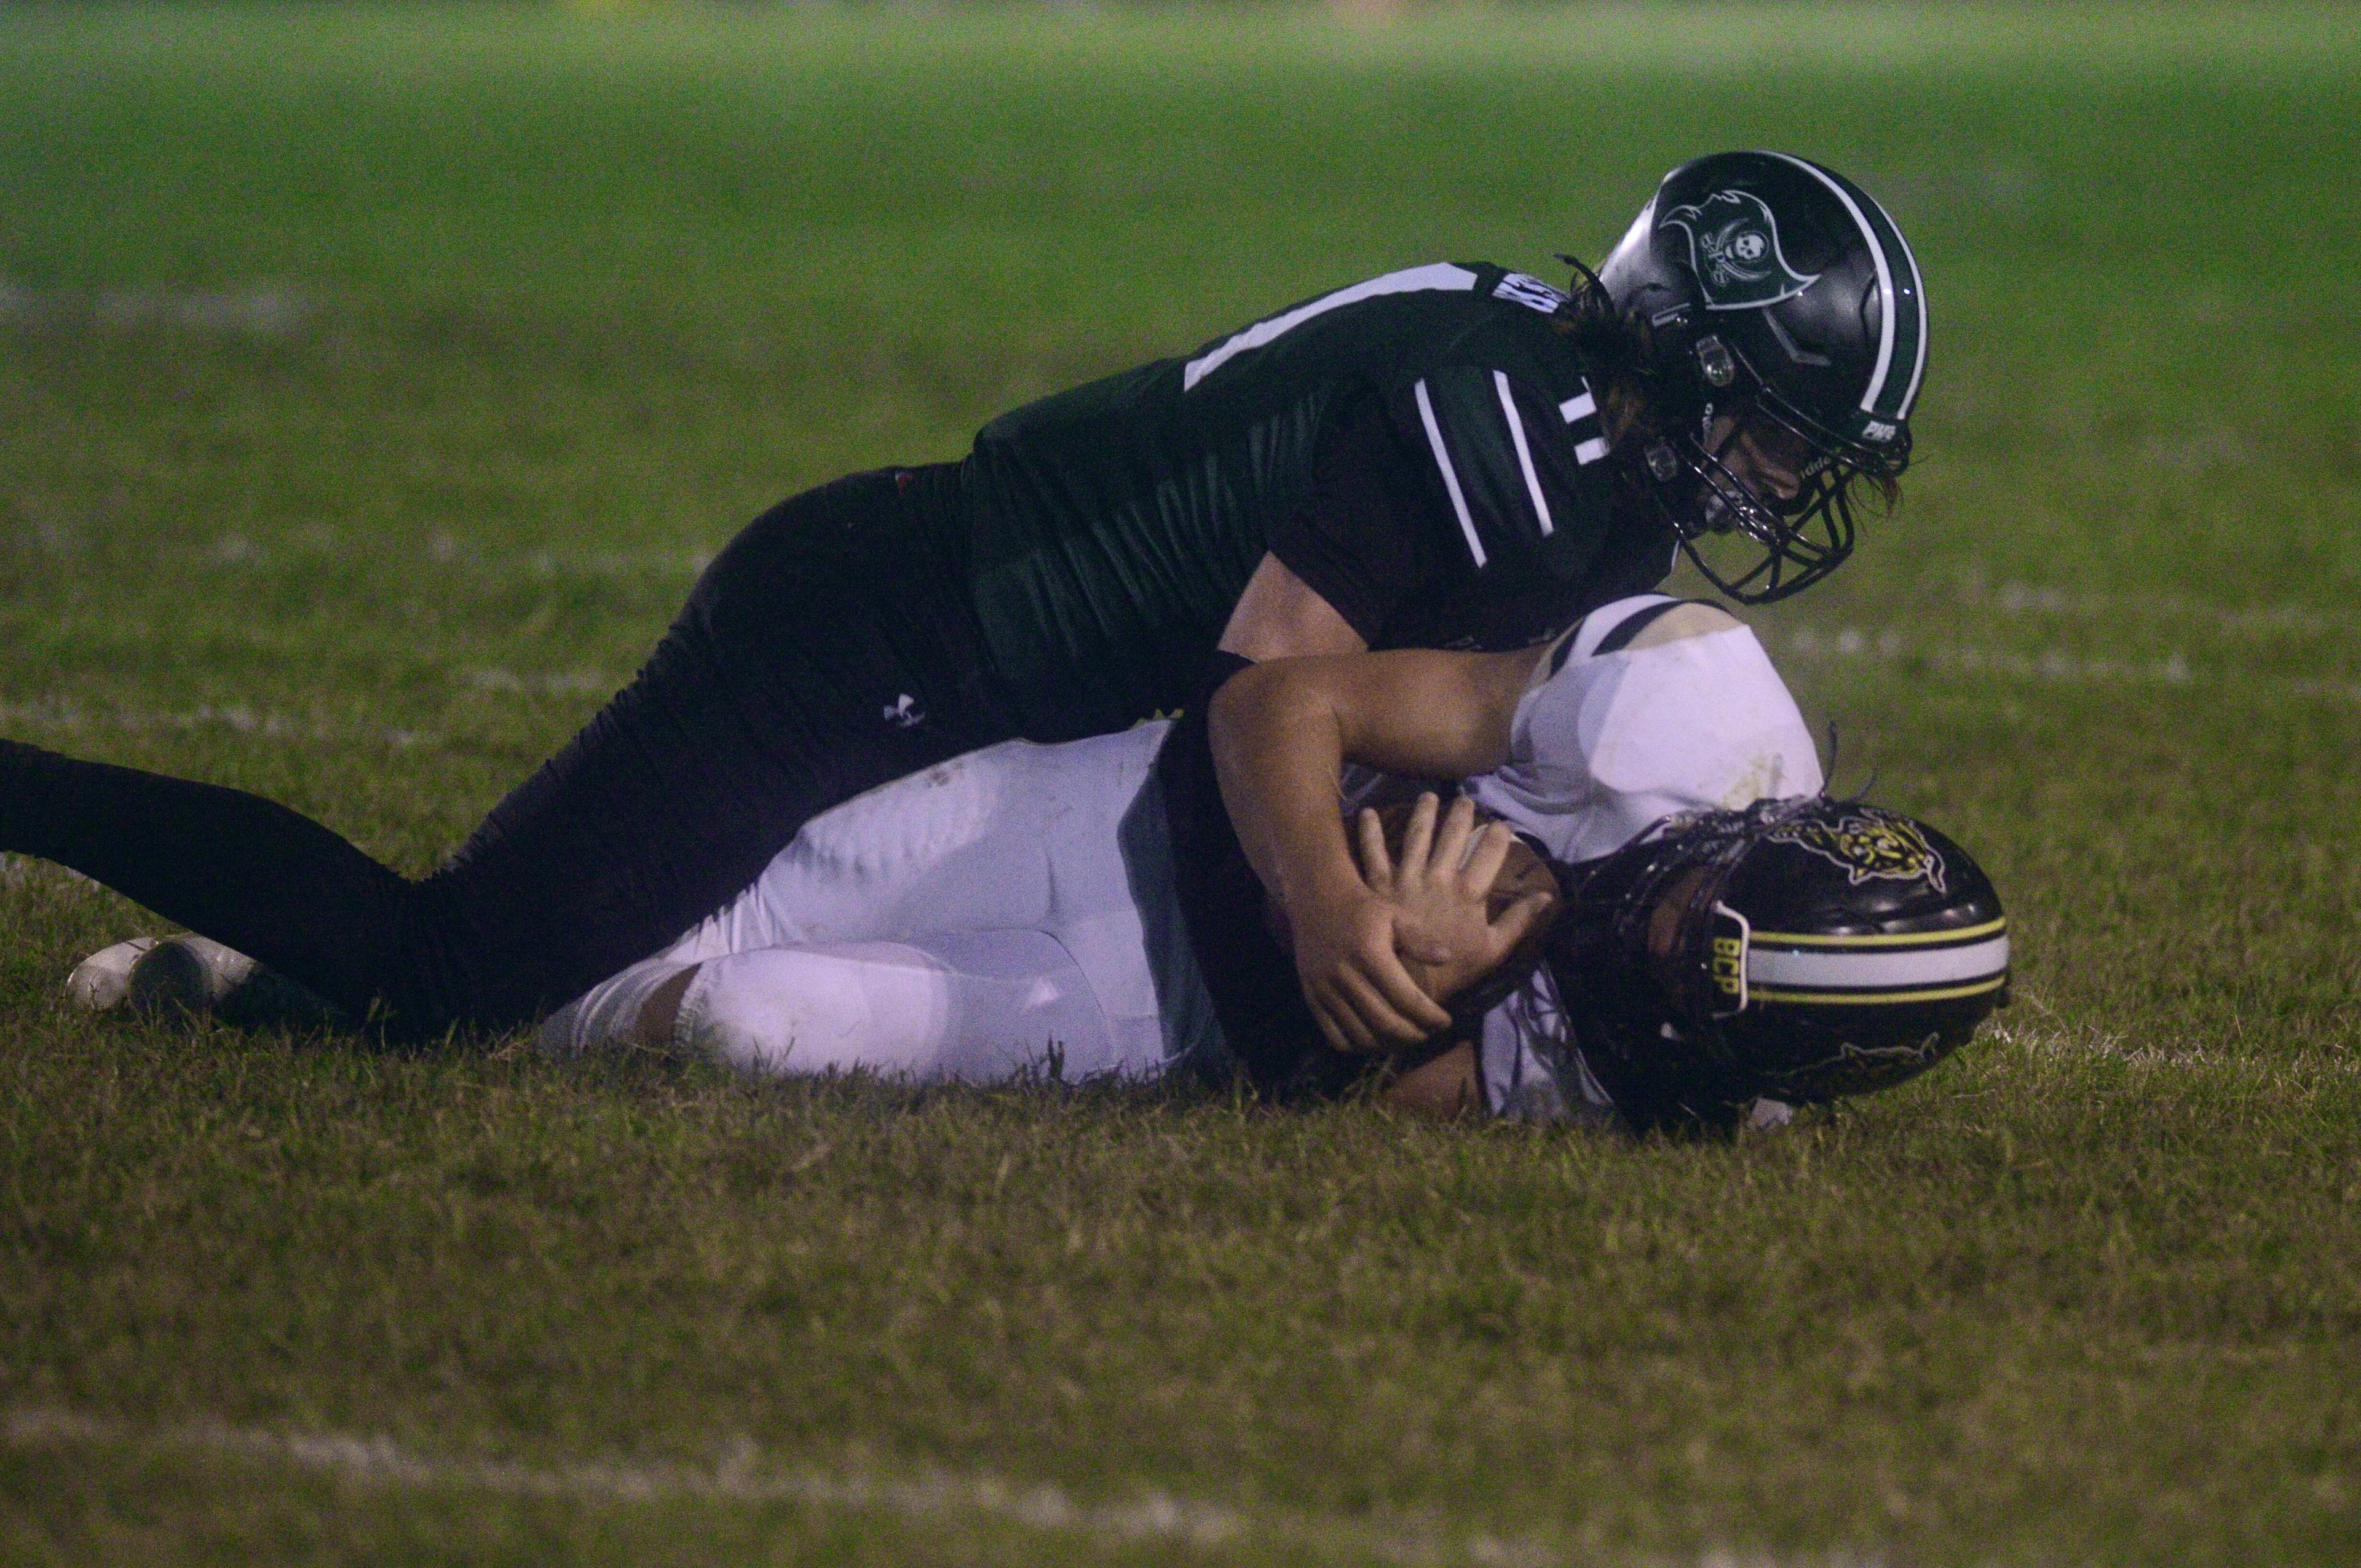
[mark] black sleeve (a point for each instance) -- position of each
(1361, 538)
(1265, 1021)
(1525, 478)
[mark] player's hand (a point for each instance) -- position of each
(1363, 952)
(1449, 934)
(1348, 955)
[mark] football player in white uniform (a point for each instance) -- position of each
(1726, 937)
(1015, 910)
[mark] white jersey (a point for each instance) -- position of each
(1609, 739)
(1614, 733)
(1016, 906)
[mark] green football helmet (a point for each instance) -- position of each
(1779, 292)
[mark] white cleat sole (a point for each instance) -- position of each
(161, 975)
(102, 981)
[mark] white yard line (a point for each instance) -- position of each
(441, 554)
(743, 1474)
(79, 716)
(258, 312)
(2171, 675)
(2056, 665)
(544, 683)
(2015, 599)
(682, 561)
(1887, 645)
(311, 544)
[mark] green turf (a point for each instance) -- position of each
(371, 383)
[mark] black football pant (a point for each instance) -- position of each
(830, 648)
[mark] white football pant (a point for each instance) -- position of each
(1009, 912)
(1013, 910)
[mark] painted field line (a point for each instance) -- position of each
(543, 683)
(80, 715)
(2047, 663)
(444, 552)
(74, 716)
(740, 1476)
(258, 312)
(447, 550)
(2172, 673)
(2057, 665)
(441, 554)
(2309, 1065)
(2284, 619)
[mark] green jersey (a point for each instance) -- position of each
(1422, 448)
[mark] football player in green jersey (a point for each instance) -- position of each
(1447, 456)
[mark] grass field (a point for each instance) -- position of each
(371, 384)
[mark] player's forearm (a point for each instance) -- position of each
(1279, 750)
(1281, 732)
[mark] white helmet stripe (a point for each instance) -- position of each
(1887, 299)
(1918, 292)
(1913, 293)
(1878, 968)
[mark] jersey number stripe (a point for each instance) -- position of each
(1524, 455)
(1450, 474)
(1441, 277)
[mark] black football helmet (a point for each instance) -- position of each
(1798, 950)
(1779, 292)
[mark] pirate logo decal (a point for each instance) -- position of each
(1734, 250)
(1867, 843)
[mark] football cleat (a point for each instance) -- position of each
(102, 982)
(192, 976)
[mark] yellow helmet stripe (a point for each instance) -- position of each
(1872, 998)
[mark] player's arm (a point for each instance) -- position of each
(1281, 615)
(1353, 548)
(1281, 732)
(1446, 1087)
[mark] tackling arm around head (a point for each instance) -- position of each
(1281, 732)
